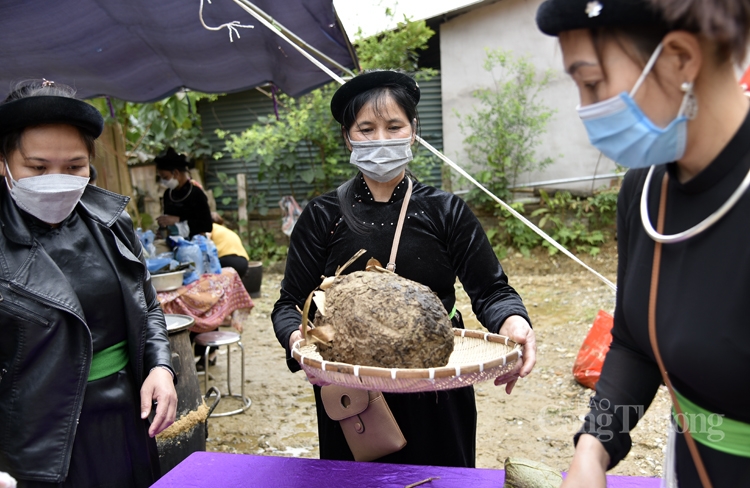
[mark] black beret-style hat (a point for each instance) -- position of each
(171, 160)
(555, 16)
(39, 110)
(367, 81)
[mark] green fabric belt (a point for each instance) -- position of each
(453, 313)
(713, 430)
(109, 361)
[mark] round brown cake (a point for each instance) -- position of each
(384, 320)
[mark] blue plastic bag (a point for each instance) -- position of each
(154, 264)
(188, 252)
(210, 254)
(147, 241)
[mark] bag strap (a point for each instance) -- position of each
(705, 481)
(391, 266)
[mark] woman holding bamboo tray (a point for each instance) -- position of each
(441, 239)
(84, 352)
(659, 94)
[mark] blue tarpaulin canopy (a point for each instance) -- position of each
(145, 50)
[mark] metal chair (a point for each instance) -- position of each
(218, 339)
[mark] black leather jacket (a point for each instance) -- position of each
(45, 344)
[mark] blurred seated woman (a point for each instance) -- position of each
(232, 253)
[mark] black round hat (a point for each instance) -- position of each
(367, 81)
(555, 16)
(39, 110)
(170, 160)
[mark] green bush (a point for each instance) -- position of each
(581, 224)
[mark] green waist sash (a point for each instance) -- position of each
(109, 361)
(453, 313)
(714, 430)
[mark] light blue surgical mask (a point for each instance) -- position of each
(619, 128)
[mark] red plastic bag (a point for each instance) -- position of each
(588, 365)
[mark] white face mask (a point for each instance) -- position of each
(171, 184)
(50, 198)
(382, 159)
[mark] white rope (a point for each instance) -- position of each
(231, 26)
(513, 212)
(434, 151)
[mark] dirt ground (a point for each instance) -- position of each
(537, 421)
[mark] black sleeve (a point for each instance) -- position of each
(305, 264)
(492, 299)
(629, 378)
(199, 219)
(157, 351)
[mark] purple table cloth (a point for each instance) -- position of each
(218, 470)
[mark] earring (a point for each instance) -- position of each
(689, 107)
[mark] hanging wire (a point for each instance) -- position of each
(434, 151)
(231, 26)
(275, 101)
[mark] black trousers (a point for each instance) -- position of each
(233, 261)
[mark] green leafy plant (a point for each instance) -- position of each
(579, 223)
(395, 49)
(261, 245)
(504, 130)
(225, 182)
(151, 127)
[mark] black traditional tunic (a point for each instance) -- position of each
(441, 240)
(112, 441)
(190, 204)
(703, 326)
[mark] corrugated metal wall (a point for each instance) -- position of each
(236, 112)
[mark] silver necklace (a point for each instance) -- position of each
(699, 227)
(183, 198)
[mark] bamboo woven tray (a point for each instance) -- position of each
(477, 356)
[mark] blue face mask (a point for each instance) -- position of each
(619, 128)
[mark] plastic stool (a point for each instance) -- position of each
(218, 339)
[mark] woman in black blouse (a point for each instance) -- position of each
(183, 201)
(441, 240)
(659, 94)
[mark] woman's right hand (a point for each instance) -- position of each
(296, 336)
(589, 466)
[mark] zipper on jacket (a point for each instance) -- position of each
(23, 313)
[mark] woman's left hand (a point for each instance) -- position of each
(167, 220)
(159, 387)
(518, 329)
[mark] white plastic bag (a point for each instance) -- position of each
(291, 211)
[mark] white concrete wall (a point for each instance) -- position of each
(510, 25)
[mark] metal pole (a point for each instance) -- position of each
(576, 179)
(291, 35)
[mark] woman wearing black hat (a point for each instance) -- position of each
(184, 202)
(659, 94)
(84, 351)
(441, 239)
